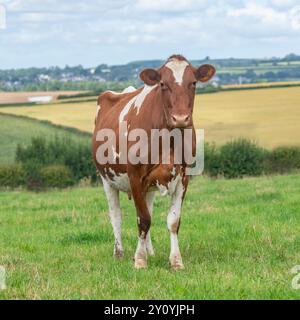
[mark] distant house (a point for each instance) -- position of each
(42, 99)
(44, 77)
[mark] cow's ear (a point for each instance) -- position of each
(205, 73)
(150, 76)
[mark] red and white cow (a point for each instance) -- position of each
(166, 101)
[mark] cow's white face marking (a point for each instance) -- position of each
(136, 101)
(178, 68)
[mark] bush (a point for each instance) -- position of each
(56, 176)
(212, 163)
(283, 160)
(12, 175)
(40, 152)
(241, 158)
(33, 177)
(235, 159)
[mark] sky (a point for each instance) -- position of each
(72, 32)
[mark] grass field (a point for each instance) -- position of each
(239, 239)
(269, 116)
(14, 131)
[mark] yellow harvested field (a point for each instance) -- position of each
(20, 97)
(271, 117)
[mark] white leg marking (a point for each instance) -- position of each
(173, 221)
(150, 200)
(115, 216)
(140, 257)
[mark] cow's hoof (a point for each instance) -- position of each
(140, 263)
(176, 263)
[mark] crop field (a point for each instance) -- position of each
(262, 68)
(268, 116)
(19, 97)
(239, 240)
(261, 85)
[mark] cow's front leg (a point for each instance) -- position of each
(115, 214)
(174, 224)
(143, 221)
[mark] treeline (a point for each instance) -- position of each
(102, 76)
(63, 162)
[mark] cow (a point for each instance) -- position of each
(166, 101)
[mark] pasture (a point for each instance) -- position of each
(239, 240)
(268, 116)
(18, 130)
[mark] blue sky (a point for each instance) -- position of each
(60, 32)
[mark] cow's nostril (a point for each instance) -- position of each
(187, 118)
(174, 118)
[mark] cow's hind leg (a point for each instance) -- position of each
(115, 216)
(150, 200)
(173, 222)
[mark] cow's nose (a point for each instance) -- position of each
(181, 120)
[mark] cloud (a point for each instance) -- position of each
(170, 5)
(265, 14)
(118, 31)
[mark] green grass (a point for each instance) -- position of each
(16, 130)
(239, 239)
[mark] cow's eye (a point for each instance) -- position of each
(194, 83)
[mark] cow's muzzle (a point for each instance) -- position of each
(180, 121)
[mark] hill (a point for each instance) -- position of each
(19, 130)
(229, 71)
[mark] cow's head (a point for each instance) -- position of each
(177, 79)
